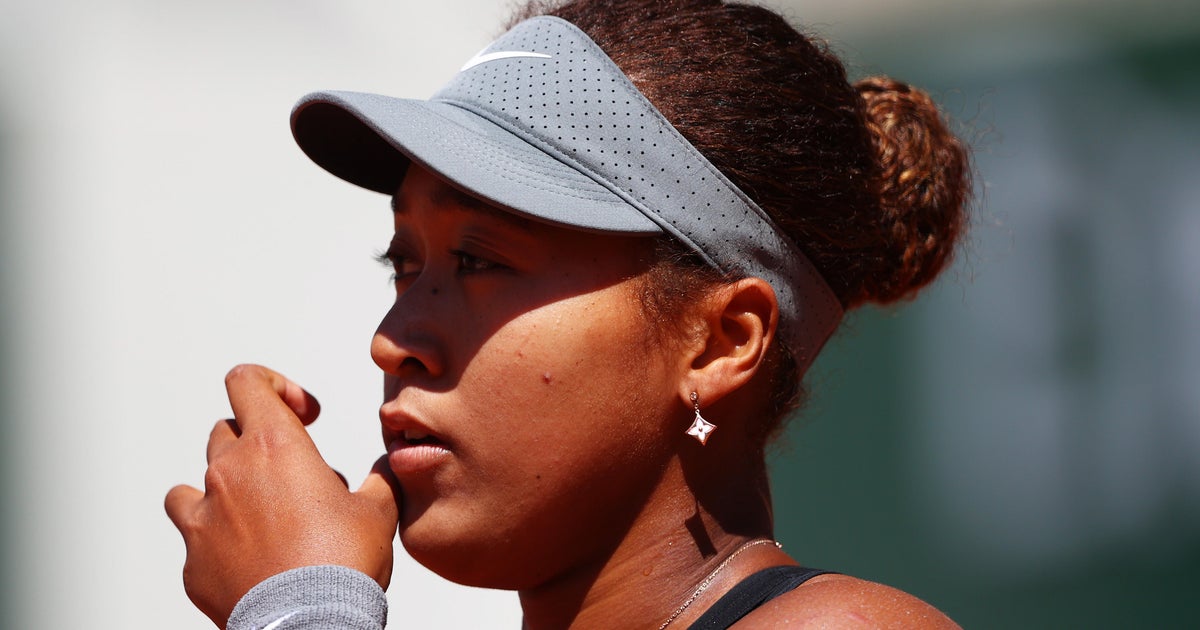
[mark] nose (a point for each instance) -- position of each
(406, 342)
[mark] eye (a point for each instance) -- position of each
(402, 266)
(469, 263)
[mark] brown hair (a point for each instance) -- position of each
(867, 179)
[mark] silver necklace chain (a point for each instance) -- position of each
(706, 582)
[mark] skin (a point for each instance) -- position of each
(521, 347)
(270, 503)
(558, 465)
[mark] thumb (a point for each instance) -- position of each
(381, 489)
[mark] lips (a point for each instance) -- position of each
(411, 457)
(417, 436)
(412, 447)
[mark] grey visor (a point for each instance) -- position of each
(543, 124)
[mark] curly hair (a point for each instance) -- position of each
(867, 179)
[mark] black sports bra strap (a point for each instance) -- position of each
(751, 593)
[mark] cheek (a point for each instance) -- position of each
(565, 406)
(568, 370)
(587, 338)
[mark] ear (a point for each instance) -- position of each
(739, 323)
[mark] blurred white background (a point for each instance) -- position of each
(158, 225)
(165, 227)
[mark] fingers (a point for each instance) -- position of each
(381, 489)
(261, 397)
(302, 403)
(380, 495)
(181, 502)
(223, 434)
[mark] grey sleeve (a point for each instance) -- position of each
(310, 598)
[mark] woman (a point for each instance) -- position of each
(623, 232)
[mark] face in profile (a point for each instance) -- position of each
(526, 403)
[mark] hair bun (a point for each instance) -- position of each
(924, 179)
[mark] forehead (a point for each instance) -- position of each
(423, 196)
(420, 186)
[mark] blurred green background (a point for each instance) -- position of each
(1022, 445)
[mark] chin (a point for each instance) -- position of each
(457, 560)
(467, 552)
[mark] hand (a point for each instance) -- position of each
(271, 503)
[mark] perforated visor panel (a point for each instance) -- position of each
(544, 124)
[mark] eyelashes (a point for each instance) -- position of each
(466, 263)
(470, 263)
(389, 260)
(401, 265)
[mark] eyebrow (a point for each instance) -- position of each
(446, 195)
(449, 195)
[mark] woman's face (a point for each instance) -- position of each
(527, 412)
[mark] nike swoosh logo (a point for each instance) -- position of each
(278, 622)
(503, 54)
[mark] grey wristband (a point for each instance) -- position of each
(312, 597)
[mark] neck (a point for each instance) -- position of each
(677, 540)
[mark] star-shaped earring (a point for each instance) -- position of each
(700, 428)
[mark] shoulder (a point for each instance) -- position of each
(841, 601)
